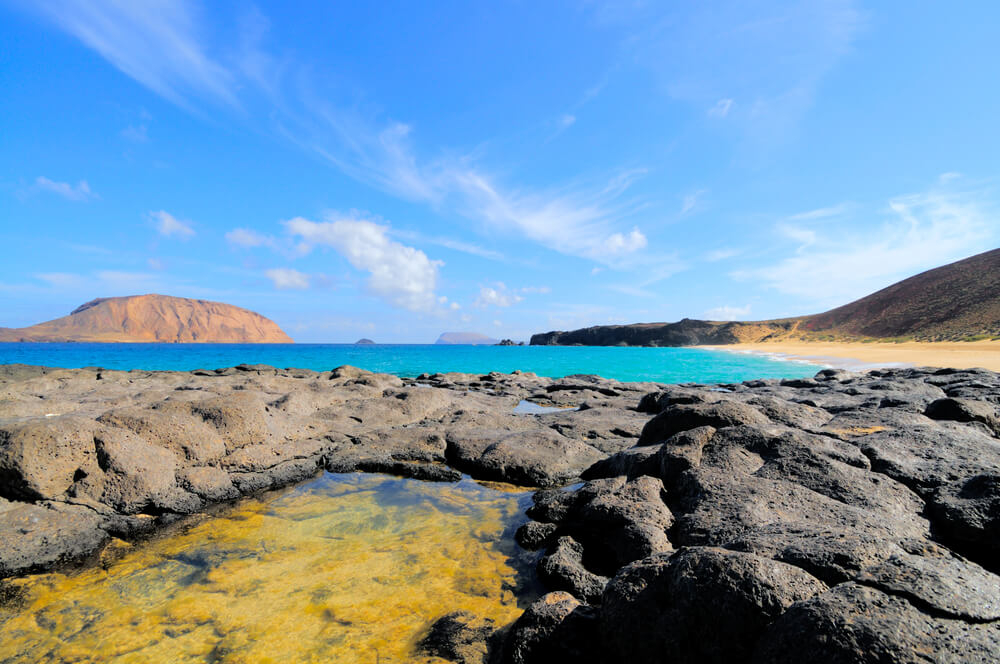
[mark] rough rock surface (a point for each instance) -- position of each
(851, 517)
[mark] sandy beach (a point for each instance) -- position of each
(959, 355)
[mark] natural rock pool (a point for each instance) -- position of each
(344, 568)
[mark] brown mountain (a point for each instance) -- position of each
(958, 301)
(153, 318)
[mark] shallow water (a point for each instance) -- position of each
(667, 365)
(345, 568)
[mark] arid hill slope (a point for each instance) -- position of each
(153, 318)
(955, 301)
(958, 301)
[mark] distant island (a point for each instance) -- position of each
(956, 302)
(153, 319)
(364, 342)
(466, 338)
(510, 342)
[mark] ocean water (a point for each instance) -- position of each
(667, 365)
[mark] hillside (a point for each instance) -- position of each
(153, 318)
(958, 301)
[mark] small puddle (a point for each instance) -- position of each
(345, 568)
(530, 408)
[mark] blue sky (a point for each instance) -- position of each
(400, 169)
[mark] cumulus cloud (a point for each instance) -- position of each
(728, 313)
(285, 278)
(168, 225)
(402, 275)
(496, 296)
(80, 192)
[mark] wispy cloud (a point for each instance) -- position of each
(921, 231)
(450, 243)
(168, 225)
(722, 254)
(80, 192)
(578, 222)
(156, 43)
(721, 108)
(162, 45)
(248, 238)
(135, 133)
(690, 201)
(821, 213)
(770, 56)
(402, 275)
(285, 278)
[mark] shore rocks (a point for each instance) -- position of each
(852, 517)
(701, 604)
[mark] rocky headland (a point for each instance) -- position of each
(153, 319)
(850, 517)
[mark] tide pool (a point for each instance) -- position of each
(344, 568)
(666, 365)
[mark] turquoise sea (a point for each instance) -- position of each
(667, 365)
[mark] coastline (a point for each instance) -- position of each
(859, 356)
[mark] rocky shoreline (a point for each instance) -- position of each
(845, 518)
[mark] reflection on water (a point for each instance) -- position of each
(347, 568)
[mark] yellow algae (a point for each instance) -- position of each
(347, 568)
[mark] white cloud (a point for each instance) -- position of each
(722, 254)
(135, 133)
(575, 223)
(455, 306)
(80, 192)
(690, 201)
(728, 313)
(402, 275)
(60, 279)
(168, 225)
(541, 290)
(721, 108)
(285, 278)
(498, 296)
(247, 238)
(949, 176)
(449, 243)
(923, 231)
(162, 46)
(625, 244)
(804, 236)
(566, 120)
(821, 213)
(155, 42)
